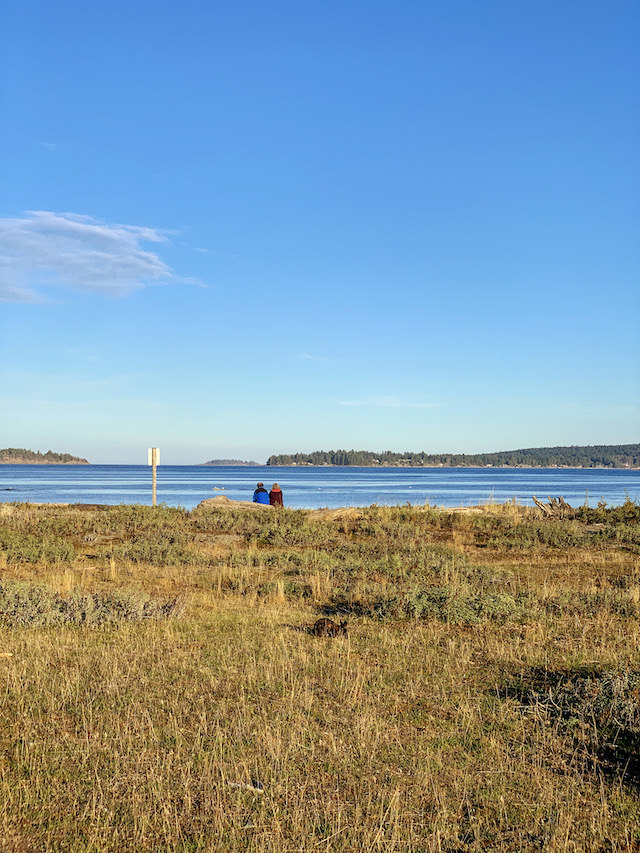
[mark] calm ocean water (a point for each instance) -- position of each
(186, 486)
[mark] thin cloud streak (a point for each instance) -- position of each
(390, 402)
(43, 386)
(64, 249)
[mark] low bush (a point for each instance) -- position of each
(443, 604)
(163, 549)
(618, 602)
(19, 547)
(599, 710)
(626, 513)
(23, 604)
(540, 534)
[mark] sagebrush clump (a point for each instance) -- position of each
(27, 604)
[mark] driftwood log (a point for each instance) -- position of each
(556, 508)
(223, 501)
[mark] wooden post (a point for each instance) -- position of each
(154, 461)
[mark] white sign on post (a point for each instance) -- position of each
(154, 461)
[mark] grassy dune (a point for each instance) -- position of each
(159, 691)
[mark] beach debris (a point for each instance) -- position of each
(222, 501)
(556, 508)
(328, 628)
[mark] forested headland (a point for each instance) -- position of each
(591, 456)
(20, 456)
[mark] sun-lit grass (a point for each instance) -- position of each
(486, 697)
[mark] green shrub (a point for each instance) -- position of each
(30, 548)
(618, 602)
(599, 710)
(540, 534)
(444, 604)
(23, 604)
(163, 549)
(464, 609)
(626, 513)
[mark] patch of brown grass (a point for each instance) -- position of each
(409, 735)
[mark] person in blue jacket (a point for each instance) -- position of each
(261, 495)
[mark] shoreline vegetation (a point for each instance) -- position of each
(21, 456)
(163, 687)
(589, 456)
(230, 463)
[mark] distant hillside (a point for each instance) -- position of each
(20, 456)
(230, 462)
(597, 456)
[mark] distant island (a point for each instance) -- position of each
(20, 456)
(230, 462)
(596, 456)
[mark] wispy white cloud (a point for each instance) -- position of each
(390, 402)
(44, 248)
(50, 146)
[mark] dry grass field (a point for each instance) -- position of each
(159, 691)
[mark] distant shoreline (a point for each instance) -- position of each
(606, 457)
(40, 462)
(626, 456)
(23, 456)
(476, 467)
(343, 467)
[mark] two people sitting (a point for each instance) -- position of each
(274, 497)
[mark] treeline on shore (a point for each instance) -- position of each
(230, 463)
(20, 456)
(596, 456)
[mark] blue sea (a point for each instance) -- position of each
(186, 485)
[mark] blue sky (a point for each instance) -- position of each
(232, 230)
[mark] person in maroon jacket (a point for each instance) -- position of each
(275, 496)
